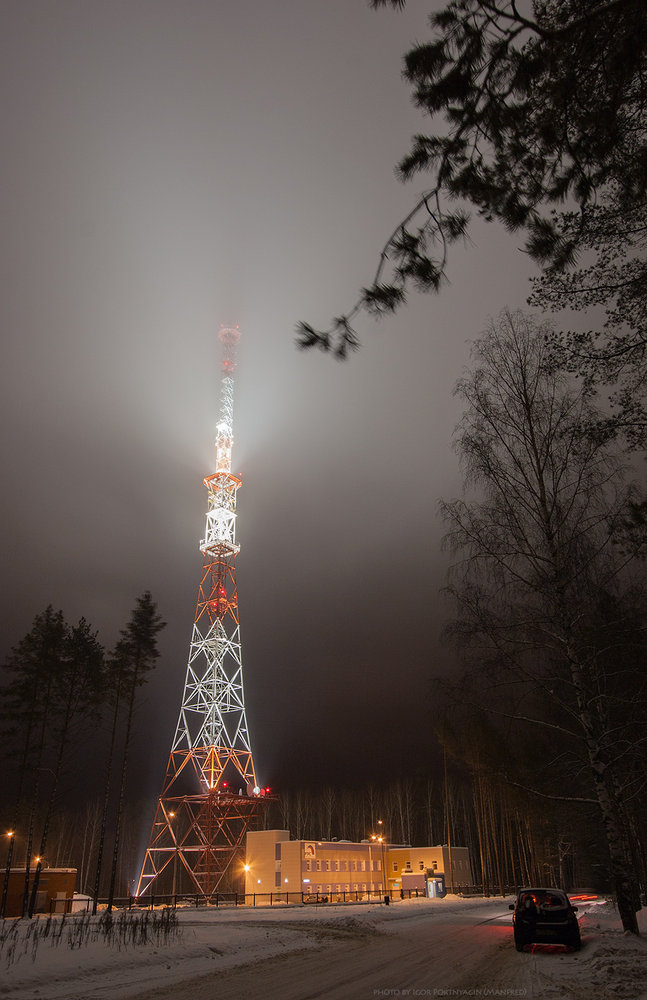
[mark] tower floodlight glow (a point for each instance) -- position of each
(210, 795)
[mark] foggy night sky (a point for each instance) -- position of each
(168, 166)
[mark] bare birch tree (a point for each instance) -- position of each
(542, 590)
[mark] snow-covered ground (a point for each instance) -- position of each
(451, 947)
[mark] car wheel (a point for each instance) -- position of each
(576, 941)
(519, 941)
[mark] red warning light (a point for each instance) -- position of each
(221, 603)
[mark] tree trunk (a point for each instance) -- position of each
(122, 789)
(106, 796)
(51, 800)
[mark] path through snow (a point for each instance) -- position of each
(413, 948)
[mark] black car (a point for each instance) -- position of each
(544, 915)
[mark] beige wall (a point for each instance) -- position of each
(260, 859)
(309, 865)
(291, 866)
(415, 859)
(338, 866)
(313, 866)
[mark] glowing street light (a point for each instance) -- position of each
(380, 839)
(11, 834)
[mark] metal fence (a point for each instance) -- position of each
(256, 899)
(222, 899)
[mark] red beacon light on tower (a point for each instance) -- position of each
(220, 603)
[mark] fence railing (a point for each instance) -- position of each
(221, 899)
(255, 899)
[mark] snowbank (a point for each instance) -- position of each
(73, 962)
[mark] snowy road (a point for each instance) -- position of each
(413, 948)
(413, 952)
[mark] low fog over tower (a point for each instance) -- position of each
(210, 796)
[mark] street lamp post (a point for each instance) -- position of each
(174, 883)
(379, 838)
(5, 886)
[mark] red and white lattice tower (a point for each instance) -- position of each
(210, 796)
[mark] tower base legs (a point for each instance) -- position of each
(197, 843)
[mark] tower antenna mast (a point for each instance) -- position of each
(210, 796)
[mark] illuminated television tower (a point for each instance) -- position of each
(210, 796)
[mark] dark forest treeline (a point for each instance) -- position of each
(517, 797)
(67, 713)
(467, 796)
(512, 839)
(513, 836)
(74, 842)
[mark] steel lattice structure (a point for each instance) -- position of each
(210, 795)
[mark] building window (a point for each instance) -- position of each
(308, 866)
(395, 866)
(422, 866)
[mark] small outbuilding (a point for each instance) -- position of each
(55, 888)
